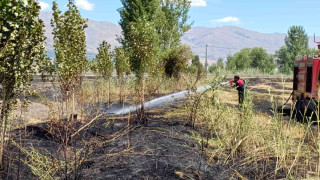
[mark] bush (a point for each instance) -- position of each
(177, 61)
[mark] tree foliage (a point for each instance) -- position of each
(296, 43)
(69, 45)
(151, 29)
(22, 52)
(103, 64)
(144, 51)
(217, 66)
(174, 22)
(261, 60)
(169, 18)
(177, 61)
(283, 59)
(196, 60)
(257, 58)
(296, 40)
(132, 11)
(240, 60)
(122, 65)
(196, 66)
(122, 62)
(144, 47)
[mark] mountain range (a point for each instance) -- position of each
(221, 41)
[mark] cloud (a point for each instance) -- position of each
(84, 4)
(43, 5)
(228, 19)
(198, 3)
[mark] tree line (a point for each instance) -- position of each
(150, 46)
(296, 43)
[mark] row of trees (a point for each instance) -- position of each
(296, 43)
(150, 41)
(252, 58)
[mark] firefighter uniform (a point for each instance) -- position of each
(239, 84)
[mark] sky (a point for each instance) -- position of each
(265, 16)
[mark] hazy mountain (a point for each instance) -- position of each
(221, 41)
(226, 40)
(95, 34)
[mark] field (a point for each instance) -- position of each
(223, 141)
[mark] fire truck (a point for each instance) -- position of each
(306, 84)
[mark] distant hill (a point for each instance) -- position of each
(221, 41)
(95, 34)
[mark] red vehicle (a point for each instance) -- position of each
(306, 84)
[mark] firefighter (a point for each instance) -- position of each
(239, 84)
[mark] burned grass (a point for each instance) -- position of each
(226, 143)
(165, 149)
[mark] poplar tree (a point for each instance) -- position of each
(296, 43)
(132, 11)
(22, 54)
(144, 51)
(173, 23)
(141, 39)
(151, 28)
(122, 66)
(103, 64)
(70, 47)
(296, 40)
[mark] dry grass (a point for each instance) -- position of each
(249, 142)
(254, 141)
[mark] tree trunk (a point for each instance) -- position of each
(3, 126)
(109, 99)
(120, 91)
(142, 101)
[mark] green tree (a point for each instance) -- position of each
(170, 19)
(296, 40)
(144, 50)
(22, 54)
(284, 59)
(131, 11)
(261, 60)
(122, 65)
(177, 61)
(296, 43)
(173, 23)
(122, 62)
(196, 67)
(231, 63)
(196, 60)
(70, 46)
(239, 61)
(217, 67)
(220, 63)
(103, 64)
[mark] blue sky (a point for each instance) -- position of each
(267, 16)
